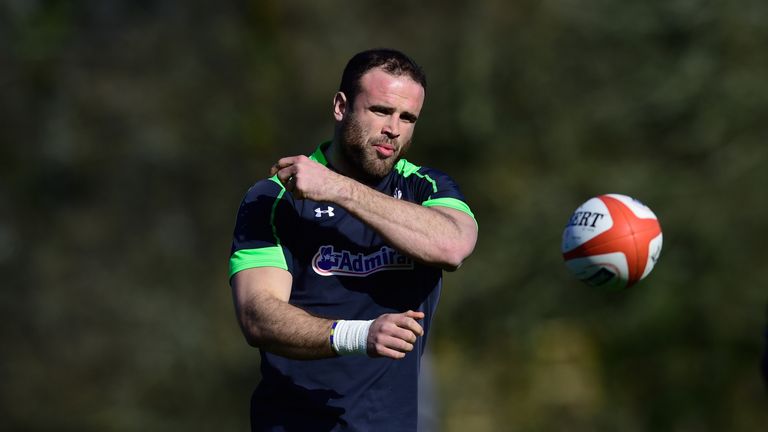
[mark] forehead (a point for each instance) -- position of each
(400, 91)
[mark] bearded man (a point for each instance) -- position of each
(337, 260)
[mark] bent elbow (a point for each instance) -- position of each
(454, 258)
(450, 267)
(253, 335)
(252, 340)
(452, 262)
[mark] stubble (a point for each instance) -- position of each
(361, 156)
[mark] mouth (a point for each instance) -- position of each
(385, 150)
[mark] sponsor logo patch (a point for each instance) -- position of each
(328, 261)
(320, 212)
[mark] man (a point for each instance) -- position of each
(337, 262)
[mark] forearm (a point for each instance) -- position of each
(427, 234)
(438, 236)
(273, 325)
(270, 323)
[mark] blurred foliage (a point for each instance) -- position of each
(130, 130)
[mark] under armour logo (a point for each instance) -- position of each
(398, 193)
(328, 211)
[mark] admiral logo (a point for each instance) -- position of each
(328, 261)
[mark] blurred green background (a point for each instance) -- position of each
(129, 132)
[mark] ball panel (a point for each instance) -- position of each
(587, 222)
(605, 245)
(598, 270)
(641, 230)
(654, 250)
(639, 209)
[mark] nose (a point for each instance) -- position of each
(391, 129)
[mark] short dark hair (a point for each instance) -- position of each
(390, 60)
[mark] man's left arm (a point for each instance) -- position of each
(436, 235)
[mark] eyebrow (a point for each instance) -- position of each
(389, 110)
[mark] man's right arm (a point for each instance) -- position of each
(269, 322)
(272, 324)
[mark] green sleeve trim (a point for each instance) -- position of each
(250, 258)
(450, 203)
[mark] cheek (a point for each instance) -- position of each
(375, 124)
(406, 131)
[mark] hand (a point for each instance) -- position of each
(307, 179)
(393, 335)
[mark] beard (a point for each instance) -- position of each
(360, 155)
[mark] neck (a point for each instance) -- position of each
(341, 164)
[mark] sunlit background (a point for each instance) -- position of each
(129, 132)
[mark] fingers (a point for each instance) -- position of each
(394, 335)
(286, 176)
(407, 321)
(283, 163)
(299, 175)
(414, 315)
(388, 346)
(309, 179)
(286, 170)
(390, 353)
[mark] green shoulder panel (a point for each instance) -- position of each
(277, 180)
(318, 155)
(406, 169)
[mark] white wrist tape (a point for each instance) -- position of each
(350, 337)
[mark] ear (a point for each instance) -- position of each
(339, 106)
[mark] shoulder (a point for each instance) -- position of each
(407, 169)
(432, 178)
(267, 197)
(268, 187)
(432, 187)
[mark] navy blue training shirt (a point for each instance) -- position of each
(341, 269)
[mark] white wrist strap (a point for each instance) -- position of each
(350, 337)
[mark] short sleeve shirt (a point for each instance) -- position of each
(341, 269)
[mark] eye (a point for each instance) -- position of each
(381, 110)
